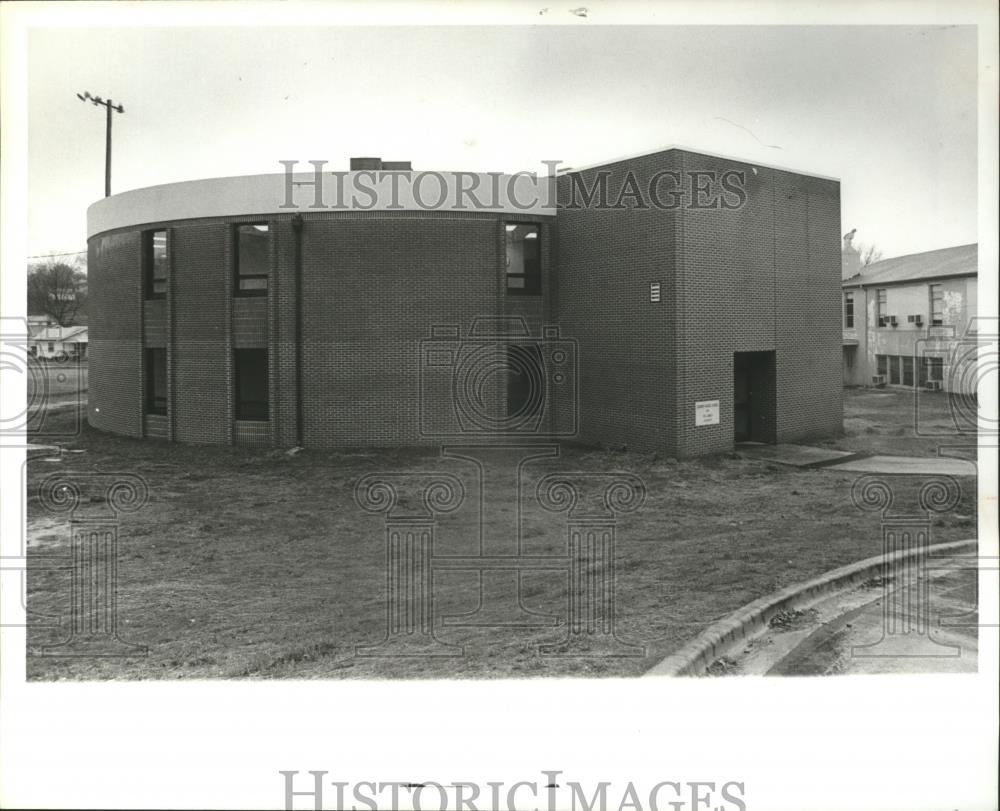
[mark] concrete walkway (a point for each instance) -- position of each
(922, 466)
(806, 456)
(793, 455)
(858, 632)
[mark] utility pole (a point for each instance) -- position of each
(109, 106)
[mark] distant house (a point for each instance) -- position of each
(903, 316)
(53, 342)
(36, 323)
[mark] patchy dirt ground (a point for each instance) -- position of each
(903, 422)
(255, 564)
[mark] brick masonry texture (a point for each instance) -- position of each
(354, 296)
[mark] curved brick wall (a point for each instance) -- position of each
(371, 287)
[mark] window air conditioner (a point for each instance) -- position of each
(933, 385)
(878, 380)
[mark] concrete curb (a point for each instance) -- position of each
(719, 639)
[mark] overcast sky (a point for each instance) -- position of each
(890, 111)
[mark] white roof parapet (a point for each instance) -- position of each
(523, 193)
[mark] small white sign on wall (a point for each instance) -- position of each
(706, 412)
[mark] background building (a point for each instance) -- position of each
(902, 317)
(52, 342)
(654, 307)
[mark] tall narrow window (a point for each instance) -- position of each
(894, 370)
(156, 381)
(154, 263)
(250, 384)
(882, 306)
(935, 368)
(849, 310)
(882, 364)
(524, 259)
(937, 305)
(907, 369)
(253, 258)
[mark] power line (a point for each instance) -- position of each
(47, 255)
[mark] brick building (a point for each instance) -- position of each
(675, 302)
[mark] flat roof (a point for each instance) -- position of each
(266, 195)
(680, 148)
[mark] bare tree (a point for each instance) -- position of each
(870, 253)
(58, 290)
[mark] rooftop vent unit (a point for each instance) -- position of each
(379, 165)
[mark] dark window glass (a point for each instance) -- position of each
(883, 364)
(907, 370)
(253, 258)
(882, 306)
(154, 263)
(894, 369)
(525, 381)
(935, 370)
(250, 383)
(156, 381)
(848, 310)
(524, 259)
(937, 305)
(930, 368)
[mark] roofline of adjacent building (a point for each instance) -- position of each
(859, 283)
(681, 148)
(922, 253)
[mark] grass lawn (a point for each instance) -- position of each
(251, 563)
(63, 381)
(900, 423)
